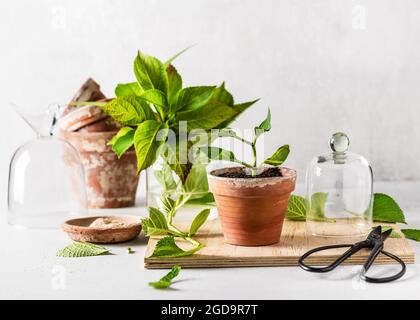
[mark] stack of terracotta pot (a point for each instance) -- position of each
(110, 182)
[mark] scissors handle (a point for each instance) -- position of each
(384, 279)
(353, 248)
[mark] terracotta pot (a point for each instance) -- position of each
(252, 210)
(110, 182)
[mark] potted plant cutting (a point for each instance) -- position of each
(162, 119)
(252, 199)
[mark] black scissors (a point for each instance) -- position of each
(374, 241)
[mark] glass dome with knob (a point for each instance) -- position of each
(46, 176)
(339, 192)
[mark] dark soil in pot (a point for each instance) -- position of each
(243, 173)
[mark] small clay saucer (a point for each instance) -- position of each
(80, 229)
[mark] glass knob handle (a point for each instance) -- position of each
(339, 142)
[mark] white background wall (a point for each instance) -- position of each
(321, 65)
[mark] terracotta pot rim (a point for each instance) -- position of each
(287, 174)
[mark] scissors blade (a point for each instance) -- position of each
(386, 234)
(375, 233)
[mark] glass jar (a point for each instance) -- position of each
(339, 192)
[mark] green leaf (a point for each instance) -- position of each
(216, 153)
(145, 143)
(122, 141)
(174, 83)
(155, 97)
(128, 89)
(172, 157)
(385, 209)
(279, 156)
(199, 221)
(171, 59)
(296, 208)
(166, 281)
(238, 110)
(264, 126)
(192, 98)
(220, 94)
(166, 204)
(196, 182)
(155, 224)
(412, 234)
(394, 234)
(150, 73)
(207, 117)
(165, 178)
(129, 110)
(82, 249)
(206, 200)
(318, 201)
(167, 248)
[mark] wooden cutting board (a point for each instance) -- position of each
(294, 242)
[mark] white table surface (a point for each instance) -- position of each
(29, 269)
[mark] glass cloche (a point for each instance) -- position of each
(339, 192)
(46, 177)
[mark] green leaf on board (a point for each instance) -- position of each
(198, 221)
(129, 110)
(150, 73)
(122, 141)
(317, 208)
(279, 156)
(146, 144)
(166, 247)
(166, 281)
(296, 208)
(386, 209)
(82, 249)
(127, 89)
(413, 234)
(155, 224)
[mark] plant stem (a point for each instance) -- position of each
(254, 154)
(243, 140)
(191, 240)
(247, 165)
